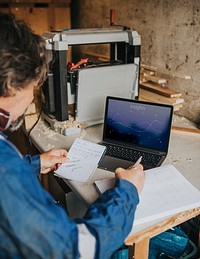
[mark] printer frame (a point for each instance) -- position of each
(125, 46)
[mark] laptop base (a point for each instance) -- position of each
(112, 163)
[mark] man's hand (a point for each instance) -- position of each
(52, 159)
(135, 175)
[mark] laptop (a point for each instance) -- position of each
(133, 129)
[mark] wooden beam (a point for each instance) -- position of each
(157, 98)
(163, 71)
(165, 91)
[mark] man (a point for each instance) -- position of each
(32, 225)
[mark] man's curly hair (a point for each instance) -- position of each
(23, 56)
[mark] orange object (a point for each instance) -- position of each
(112, 17)
(72, 66)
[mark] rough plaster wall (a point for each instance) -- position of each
(170, 32)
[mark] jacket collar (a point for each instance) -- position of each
(5, 120)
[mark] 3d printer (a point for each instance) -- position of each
(80, 91)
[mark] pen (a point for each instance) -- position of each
(137, 162)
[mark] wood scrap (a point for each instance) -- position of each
(154, 97)
(147, 72)
(153, 89)
(154, 79)
(165, 91)
(168, 73)
(177, 107)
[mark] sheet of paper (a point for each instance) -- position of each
(84, 157)
(166, 192)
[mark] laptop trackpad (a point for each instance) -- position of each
(111, 163)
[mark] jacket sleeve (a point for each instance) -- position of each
(40, 227)
(34, 161)
(110, 218)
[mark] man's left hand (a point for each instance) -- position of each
(52, 159)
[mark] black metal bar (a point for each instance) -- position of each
(60, 86)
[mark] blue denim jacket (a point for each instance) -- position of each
(32, 225)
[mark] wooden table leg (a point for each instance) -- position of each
(142, 249)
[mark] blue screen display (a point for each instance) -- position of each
(138, 123)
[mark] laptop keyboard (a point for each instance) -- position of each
(132, 155)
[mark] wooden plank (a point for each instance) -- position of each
(157, 98)
(154, 79)
(148, 72)
(165, 91)
(163, 71)
(177, 107)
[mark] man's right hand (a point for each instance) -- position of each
(135, 175)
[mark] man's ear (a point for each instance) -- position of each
(10, 90)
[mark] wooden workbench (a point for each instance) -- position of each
(142, 238)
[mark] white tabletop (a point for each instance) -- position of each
(184, 154)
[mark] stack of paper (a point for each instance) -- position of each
(166, 192)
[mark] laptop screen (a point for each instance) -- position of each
(137, 123)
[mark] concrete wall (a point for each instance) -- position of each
(170, 32)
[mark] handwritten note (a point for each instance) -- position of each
(84, 157)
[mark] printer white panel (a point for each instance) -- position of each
(95, 83)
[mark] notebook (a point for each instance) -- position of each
(134, 128)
